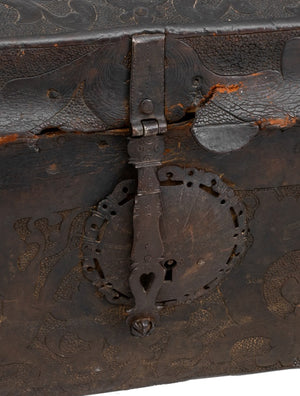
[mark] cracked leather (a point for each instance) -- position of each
(154, 188)
(84, 85)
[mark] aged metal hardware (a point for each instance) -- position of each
(147, 274)
(153, 272)
(147, 85)
(202, 241)
(146, 148)
(229, 185)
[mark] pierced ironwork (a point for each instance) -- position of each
(161, 266)
(202, 241)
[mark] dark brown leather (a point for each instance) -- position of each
(130, 261)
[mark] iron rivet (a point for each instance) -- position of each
(147, 106)
(142, 327)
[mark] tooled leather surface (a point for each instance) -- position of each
(85, 86)
(40, 17)
(61, 336)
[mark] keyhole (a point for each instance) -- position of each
(169, 266)
(147, 281)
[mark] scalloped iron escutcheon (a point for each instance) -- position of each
(202, 241)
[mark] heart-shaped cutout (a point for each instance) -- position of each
(147, 281)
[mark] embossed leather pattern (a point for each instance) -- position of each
(85, 86)
(202, 220)
(51, 17)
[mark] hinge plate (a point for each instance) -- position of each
(161, 265)
(147, 84)
(147, 111)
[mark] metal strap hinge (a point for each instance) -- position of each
(147, 85)
(146, 148)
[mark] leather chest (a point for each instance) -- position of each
(150, 185)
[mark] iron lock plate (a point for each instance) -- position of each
(154, 273)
